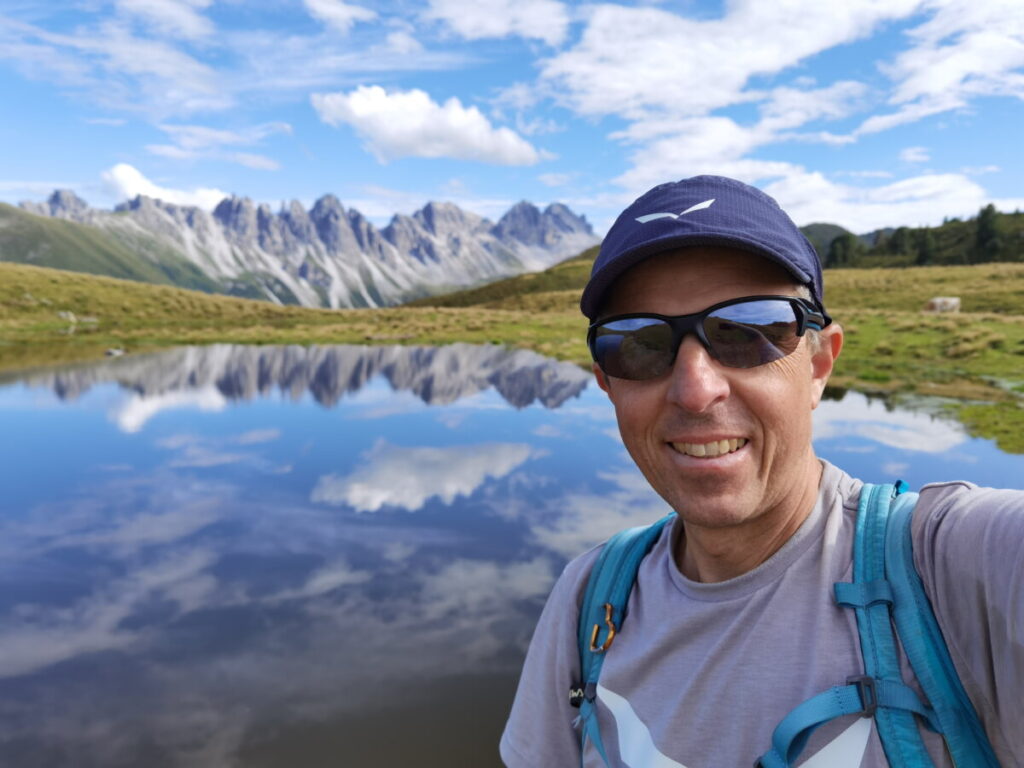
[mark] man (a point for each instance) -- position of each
(712, 342)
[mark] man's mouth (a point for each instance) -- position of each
(712, 449)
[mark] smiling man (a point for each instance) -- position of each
(746, 641)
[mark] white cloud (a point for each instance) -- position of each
(162, 76)
(857, 416)
(792, 107)
(113, 66)
(965, 49)
(584, 519)
(39, 636)
(201, 137)
(545, 20)
(411, 124)
(192, 142)
(323, 580)
(176, 18)
(632, 61)
(407, 477)
(915, 155)
(341, 16)
(126, 182)
(472, 587)
(132, 415)
(402, 42)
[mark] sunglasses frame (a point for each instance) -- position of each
(807, 314)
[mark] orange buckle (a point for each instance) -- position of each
(597, 629)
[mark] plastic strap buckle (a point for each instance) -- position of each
(578, 693)
(576, 696)
(868, 694)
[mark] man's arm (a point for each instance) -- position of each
(969, 551)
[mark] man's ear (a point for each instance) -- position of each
(602, 378)
(823, 358)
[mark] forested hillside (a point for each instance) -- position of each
(990, 236)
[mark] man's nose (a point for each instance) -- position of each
(697, 381)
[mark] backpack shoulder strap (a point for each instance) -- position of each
(602, 614)
(880, 691)
(897, 728)
(926, 648)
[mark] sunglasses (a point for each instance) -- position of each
(740, 333)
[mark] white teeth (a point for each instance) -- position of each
(708, 450)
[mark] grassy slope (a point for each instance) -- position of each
(891, 346)
(137, 317)
(29, 239)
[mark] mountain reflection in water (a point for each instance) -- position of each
(437, 375)
(197, 571)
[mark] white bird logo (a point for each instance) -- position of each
(691, 209)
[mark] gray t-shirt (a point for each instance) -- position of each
(702, 673)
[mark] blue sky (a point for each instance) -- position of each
(866, 113)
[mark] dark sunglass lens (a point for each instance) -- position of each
(752, 333)
(633, 348)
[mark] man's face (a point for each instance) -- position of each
(665, 421)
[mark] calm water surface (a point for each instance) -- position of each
(285, 556)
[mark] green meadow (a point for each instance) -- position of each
(969, 365)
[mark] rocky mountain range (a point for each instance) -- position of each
(328, 256)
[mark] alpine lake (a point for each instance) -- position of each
(256, 556)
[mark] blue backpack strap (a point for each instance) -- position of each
(880, 692)
(601, 617)
(896, 728)
(926, 649)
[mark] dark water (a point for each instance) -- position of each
(284, 556)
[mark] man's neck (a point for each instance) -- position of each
(718, 554)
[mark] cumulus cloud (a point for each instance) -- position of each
(403, 477)
(545, 20)
(410, 124)
(126, 181)
(341, 16)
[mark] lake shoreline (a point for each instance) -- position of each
(973, 359)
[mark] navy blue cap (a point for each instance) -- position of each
(703, 210)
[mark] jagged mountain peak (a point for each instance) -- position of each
(441, 219)
(64, 200)
(326, 205)
(526, 223)
(237, 214)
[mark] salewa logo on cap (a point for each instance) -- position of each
(691, 209)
